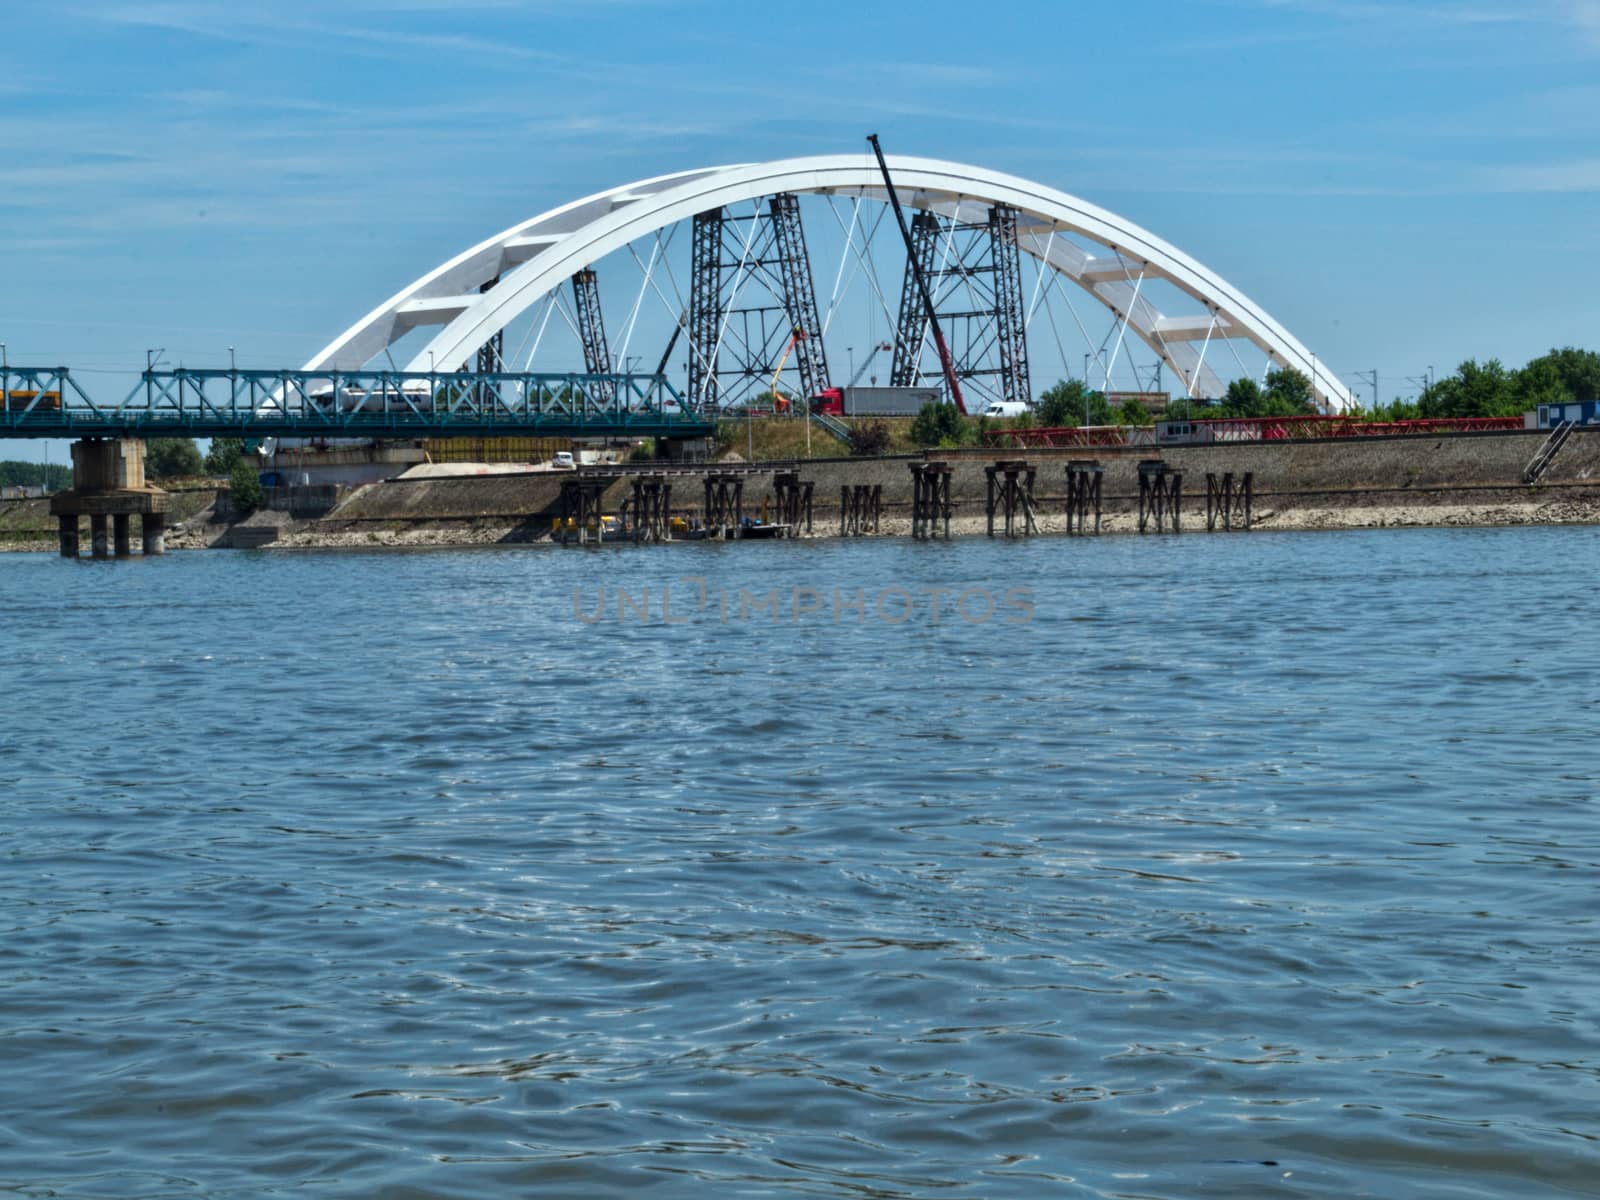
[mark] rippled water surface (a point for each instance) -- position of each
(1249, 866)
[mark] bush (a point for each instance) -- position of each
(938, 424)
(169, 458)
(869, 440)
(245, 487)
(645, 451)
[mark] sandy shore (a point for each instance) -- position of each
(294, 535)
(201, 533)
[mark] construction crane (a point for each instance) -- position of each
(880, 348)
(945, 360)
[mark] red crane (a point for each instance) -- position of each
(945, 360)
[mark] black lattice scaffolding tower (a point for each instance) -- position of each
(799, 293)
(912, 328)
(705, 307)
(592, 328)
(752, 290)
(974, 270)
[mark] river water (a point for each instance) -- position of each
(1203, 866)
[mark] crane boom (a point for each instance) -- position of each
(867, 362)
(945, 360)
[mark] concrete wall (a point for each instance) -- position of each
(1281, 469)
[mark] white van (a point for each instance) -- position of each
(563, 461)
(1006, 408)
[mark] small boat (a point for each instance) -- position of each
(760, 529)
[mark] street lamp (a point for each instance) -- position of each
(851, 351)
(232, 365)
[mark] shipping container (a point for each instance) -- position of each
(875, 401)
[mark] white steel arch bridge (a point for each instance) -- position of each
(1093, 281)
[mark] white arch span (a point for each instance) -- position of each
(524, 263)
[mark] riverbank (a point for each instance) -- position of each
(1460, 480)
(1270, 516)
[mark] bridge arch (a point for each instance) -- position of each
(478, 293)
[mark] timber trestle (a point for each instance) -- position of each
(1085, 477)
(930, 499)
(860, 507)
(1228, 501)
(1010, 493)
(1160, 497)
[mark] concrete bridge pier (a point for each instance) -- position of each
(108, 481)
(154, 528)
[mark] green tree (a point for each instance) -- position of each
(171, 458)
(1288, 394)
(1133, 412)
(938, 424)
(1070, 403)
(1578, 370)
(223, 455)
(245, 487)
(27, 474)
(1243, 399)
(1542, 382)
(1486, 390)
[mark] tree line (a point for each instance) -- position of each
(26, 474)
(1488, 389)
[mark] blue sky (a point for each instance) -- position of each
(1401, 184)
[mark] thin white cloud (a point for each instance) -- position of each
(1578, 175)
(1585, 18)
(1457, 14)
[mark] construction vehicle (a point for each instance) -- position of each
(831, 400)
(874, 401)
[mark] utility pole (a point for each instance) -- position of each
(1370, 377)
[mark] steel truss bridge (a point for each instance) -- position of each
(713, 276)
(47, 402)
